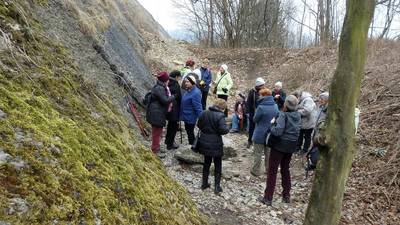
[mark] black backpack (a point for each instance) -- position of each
(147, 98)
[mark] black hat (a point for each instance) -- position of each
(175, 73)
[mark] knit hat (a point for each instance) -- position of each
(279, 84)
(259, 81)
(191, 79)
(175, 73)
(324, 95)
(225, 67)
(189, 63)
(163, 76)
(291, 102)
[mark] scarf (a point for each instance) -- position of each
(168, 94)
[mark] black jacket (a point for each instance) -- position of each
(281, 100)
(212, 125)
(175, 89)
(156, 113)
(287, 128)
(252, 101)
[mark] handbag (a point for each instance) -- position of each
(216, 86)
(196, 143)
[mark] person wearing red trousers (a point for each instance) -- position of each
(160, 104)
(286, 130)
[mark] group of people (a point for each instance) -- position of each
(278, 125)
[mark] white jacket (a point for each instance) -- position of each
(308, 111)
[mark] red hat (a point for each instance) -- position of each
(163, 76)
(190, 63)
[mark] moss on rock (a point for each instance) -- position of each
(74, 167)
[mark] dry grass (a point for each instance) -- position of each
(92, 19)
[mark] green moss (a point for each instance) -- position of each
(99, 169)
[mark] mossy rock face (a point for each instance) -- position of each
(69, 156)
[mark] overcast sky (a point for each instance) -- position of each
(165, 13)
(162, 11)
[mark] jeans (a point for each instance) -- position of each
(190, 132)
(259, 150)
(277, 159)
(306, 135)
(204, 95)
(217, 169)
(235, 122)
(172, 128)
(156, 135)
(224, 97)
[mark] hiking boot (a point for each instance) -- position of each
(286, 199)
(249, 144)
(264, 201)
(217, 190)
(173, 146)
(205, 186)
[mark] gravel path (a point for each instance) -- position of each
(238, 204)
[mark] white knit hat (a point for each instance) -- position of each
(324, 95)
(225, 67)
(191, 79)
(259, 81)
(279, 84)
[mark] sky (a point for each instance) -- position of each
(168, 16)
(163, 12)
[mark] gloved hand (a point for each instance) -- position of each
(202, 84)
(225, 90)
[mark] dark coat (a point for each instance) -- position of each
(266, 110)
(281, 100)
(156, 113)
(175, 89)
(287, 128)
(212, 125)
(252, 101)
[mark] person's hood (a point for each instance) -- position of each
(267, 100)
(294, 115)
(305, 95)
(214, 109)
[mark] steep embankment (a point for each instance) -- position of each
(66, 152)
(372, 195)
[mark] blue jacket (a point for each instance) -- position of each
(191, 106)
(207, 77)
(265, 112)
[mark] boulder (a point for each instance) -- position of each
(185, 154)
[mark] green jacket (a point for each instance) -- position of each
(226, 82)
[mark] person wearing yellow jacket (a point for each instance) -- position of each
(223, 84)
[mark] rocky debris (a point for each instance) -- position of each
(4, 157)
(18, 206)
(185, 154)
(4, 223)
(3, 115)
(238, 204)
(17, 162)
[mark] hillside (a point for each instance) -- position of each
(372, 195)
(67, 153)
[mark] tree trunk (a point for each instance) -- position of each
(337, 155)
